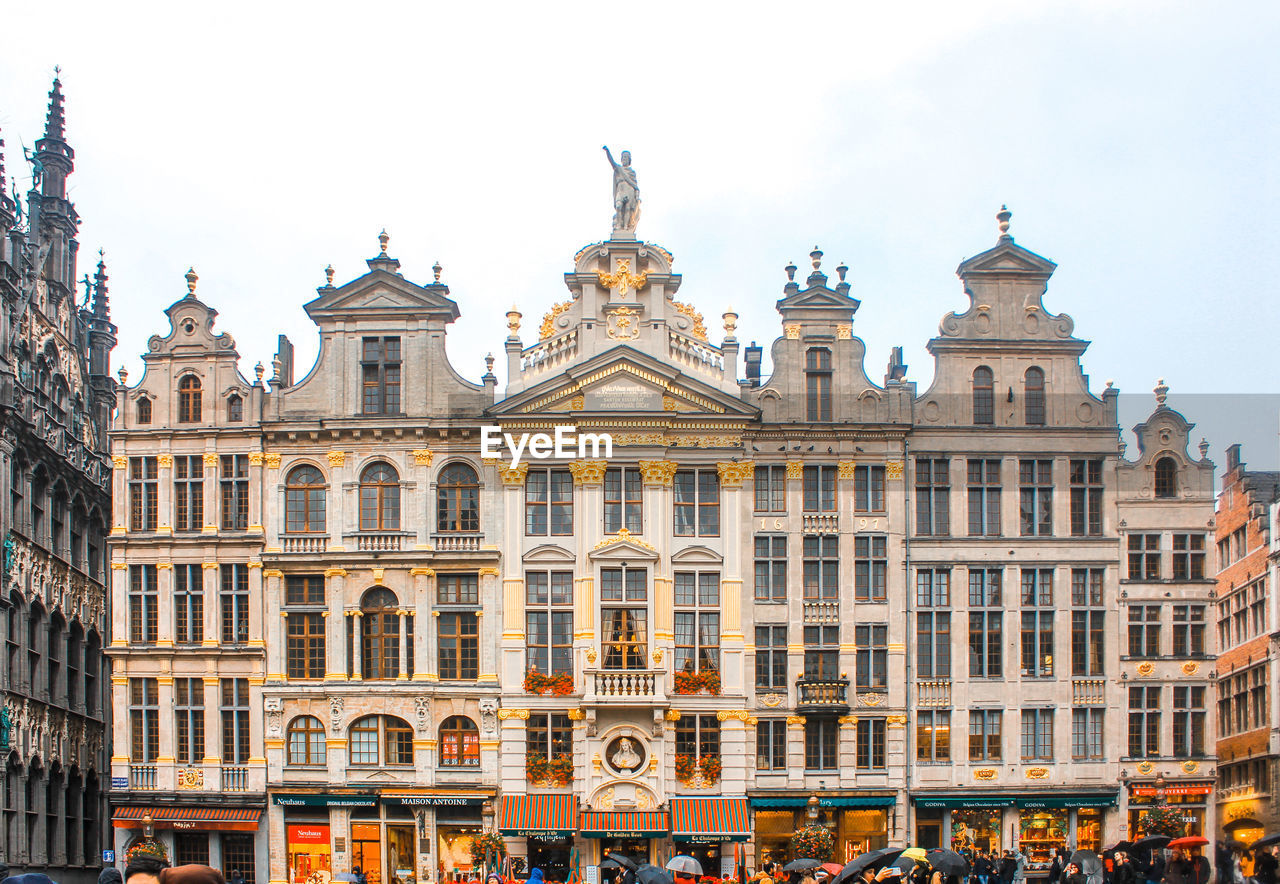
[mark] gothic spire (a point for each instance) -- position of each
(55, 121)
(101, 301)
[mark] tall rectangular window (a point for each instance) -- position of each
(144, 611)
(868, 489)
(985, 740)
(549, 735)
(1144, 630)
(771, 744)
(1037, 622)
(458, 634)
(1037, 734)
(819, 487)
(698, 736)
(622, 501)
(933, 496)
(548, 502)
(771, 567)
(697, 621)
(233, 598)
(143, 493)
(235, 721)
(144, 720)
(1188, 557)
(304, 626)
(1144, 722)
(1144, 556)
(984, 497)
(188, 604)
(624, 618)
(771, 657)
(1035, 497)
(188, 714)
(770, 488)
(933, 627)
(821, 567)
(872, 640)
(817, 384)
(549, 621)
(871, 744)
(235, 491)
(1086, 734)
(1188, 721)
(870, 567)
(1088, 622)
(933, 735)
(1188, 630)
(1086, 497)
(188, 492)
(821, 653)
(986, 623)
(821, 744)
(696, 507)
(380, 375)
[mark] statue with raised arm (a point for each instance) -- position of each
(626, 193)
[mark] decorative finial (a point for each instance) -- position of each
(328, 276)
(1110, 383)
(1003, 217)
(842, 270)
(488, 363)
(791, 271)
(730, 322)
(1204, 448)
(816, 257)
(513, 320)
(1162, 392)
(383, 239)
(437, 270)
(123, 374)
(191, 282)
(259, 371)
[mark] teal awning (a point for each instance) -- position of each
(1027, 802)
(859, 801)
(325, 800)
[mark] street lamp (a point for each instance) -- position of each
(148, 827)
(811, 809)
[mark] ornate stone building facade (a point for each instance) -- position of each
(55, 405)
(745, 613)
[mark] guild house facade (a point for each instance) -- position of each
(807, 597)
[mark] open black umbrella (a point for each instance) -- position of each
(1088, 861)
(651, 874)
(873, 861)
(1152, 842)
(1233, 844)
(906, 863)
(799, 865)
(1119, 845)
(1265, 842)
(948, 862)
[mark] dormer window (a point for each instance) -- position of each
(144, 410)
(235, 408)
(189, 403)
(1166, 477)
(817, 381)
(380, 375)
(984, 396)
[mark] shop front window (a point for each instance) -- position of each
(1089, 829)
(1042, 832)
(308, 846)
(975, 829)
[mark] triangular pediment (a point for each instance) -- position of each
(1007, 257)
(820, 298)
(380, 292)
(623, 381)
(623, 546)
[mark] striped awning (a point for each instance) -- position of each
(624, 824)
(538, 816)
(218, 819)
(709, 819)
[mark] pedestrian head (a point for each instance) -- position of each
(110, 875)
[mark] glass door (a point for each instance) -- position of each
(402, 866)
(366, 851)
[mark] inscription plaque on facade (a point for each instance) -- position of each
(624, 396)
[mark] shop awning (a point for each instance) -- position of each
(624, 824)
(855, 801)
(323, 800)
(1029, 802)
(220, 819)
(709, 819)
(538, 816)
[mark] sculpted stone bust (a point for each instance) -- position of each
(625, 757)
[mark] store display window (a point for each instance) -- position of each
(1042, 832)
(975, 829)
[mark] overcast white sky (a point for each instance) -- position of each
(1136, 144)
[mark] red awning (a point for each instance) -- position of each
(538, 815)
(221, 819)
(624, 824)
(709, 819)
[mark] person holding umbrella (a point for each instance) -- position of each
(1123, 871)
(1264, 865)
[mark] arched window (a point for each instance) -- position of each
(13, 638)
(59, 403)
(1166, 477)
(1033, 396)
(144, 410)
(92, 654)
(304, 502)
(39, 504)
(457, 500)
(35, 639)
(380, 634)
(52, 657)
(75, 657)
(306, 740)
(390, 734)
(984, 396)
(817, 383)
(189, 402)
(379, 498)
(235, 408)
(459, 742)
